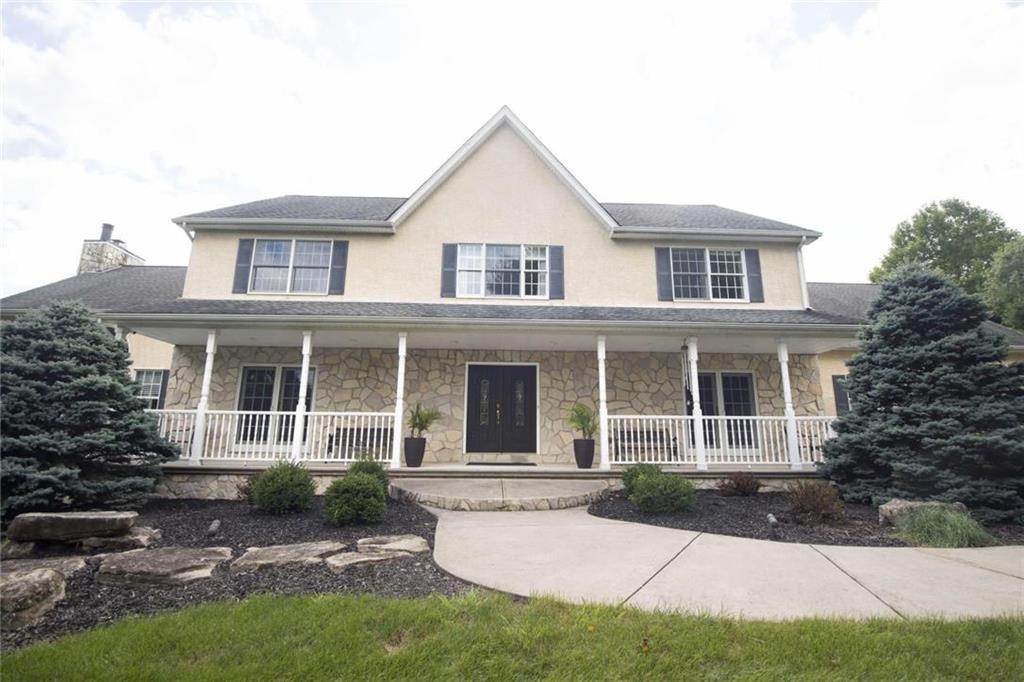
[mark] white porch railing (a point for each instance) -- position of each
(727, 440)
(267, 436)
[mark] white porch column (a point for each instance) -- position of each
(199, 435)
(698, 413)
(602, 396)
(792, 444)
(396, 438)
(299, 426)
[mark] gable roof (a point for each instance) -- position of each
(385, 214)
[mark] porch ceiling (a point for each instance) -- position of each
(481, 337)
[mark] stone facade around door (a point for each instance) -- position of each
(364, 380)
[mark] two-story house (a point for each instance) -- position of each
(501, 292)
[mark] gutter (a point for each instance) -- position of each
(638, 232)
(313, 224)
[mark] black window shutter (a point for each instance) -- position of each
(165, 375)
(663, 268)
(339, 264)
(243, 264)
(754, 281)
(842, 396)
(556, 272)
(449, 269)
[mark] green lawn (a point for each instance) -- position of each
(492, 637)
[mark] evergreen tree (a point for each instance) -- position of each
(74, 432)
(934, 413)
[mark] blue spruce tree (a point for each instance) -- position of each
(934, 412)
(75, 435)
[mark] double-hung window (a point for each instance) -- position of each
(151, 386)
(296, 266)
(504, 270)
(710, 274)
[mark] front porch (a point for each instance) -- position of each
(660, 398)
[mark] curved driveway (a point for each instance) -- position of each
(583, 558)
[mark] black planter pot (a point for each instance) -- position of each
(583, 449)
(414, 448)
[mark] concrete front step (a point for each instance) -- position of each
(500, 494)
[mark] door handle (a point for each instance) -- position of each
(497, 410)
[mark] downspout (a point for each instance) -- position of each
(803, 278)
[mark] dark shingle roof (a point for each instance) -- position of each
(853, 301)
(115, 289)
(305, 207)
(698, 217)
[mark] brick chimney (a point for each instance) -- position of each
(105, 253)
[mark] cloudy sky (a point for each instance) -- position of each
(843, 117)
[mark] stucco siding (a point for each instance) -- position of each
(149, 353)
(503, 193)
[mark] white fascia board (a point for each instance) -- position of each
(688, 233)
(503, 117)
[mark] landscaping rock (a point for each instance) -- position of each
(393, 543)
(62, 526)
(25, 596)
(17, 550)
(893, 509)
(284, 555)
(339, 562)
(137, 537)
(214, 529)
(65, 565)
(162, 566)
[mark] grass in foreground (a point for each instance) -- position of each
(492, 637)
(941, 527)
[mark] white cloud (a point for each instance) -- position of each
(136, 114)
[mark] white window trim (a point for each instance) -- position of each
(522, 272)
(291, 269)
(720, 394)
(163, 383)
(278, 370)
(707, 273)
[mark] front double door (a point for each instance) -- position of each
(501, 408)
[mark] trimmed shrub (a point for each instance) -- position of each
(368, 466)
(816, 500)
(742, 483)
(284, 487)
(662, 493)
(938, 527)
(355, 498)
(635, 472)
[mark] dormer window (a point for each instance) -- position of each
(502, 270)
(290, 266)
(715, 274)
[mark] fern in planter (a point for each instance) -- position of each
(583, 419)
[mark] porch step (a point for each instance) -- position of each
(499, 494)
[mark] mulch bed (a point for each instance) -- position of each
(89, 603)
(747, 517)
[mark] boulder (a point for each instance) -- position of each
(17, 550)
(65, 565)
(137, 537)
(26, 596)
(161, 566)
(60, 526)
(393, 543)
(339, 562)
(895, 508)
(285, 555)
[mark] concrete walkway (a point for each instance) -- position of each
(583, 558)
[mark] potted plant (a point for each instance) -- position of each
(420, 419)
(582, 419)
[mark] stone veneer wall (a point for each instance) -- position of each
(100, 256)
(364, 380)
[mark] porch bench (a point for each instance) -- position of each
(357, 440)
(658, 443)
